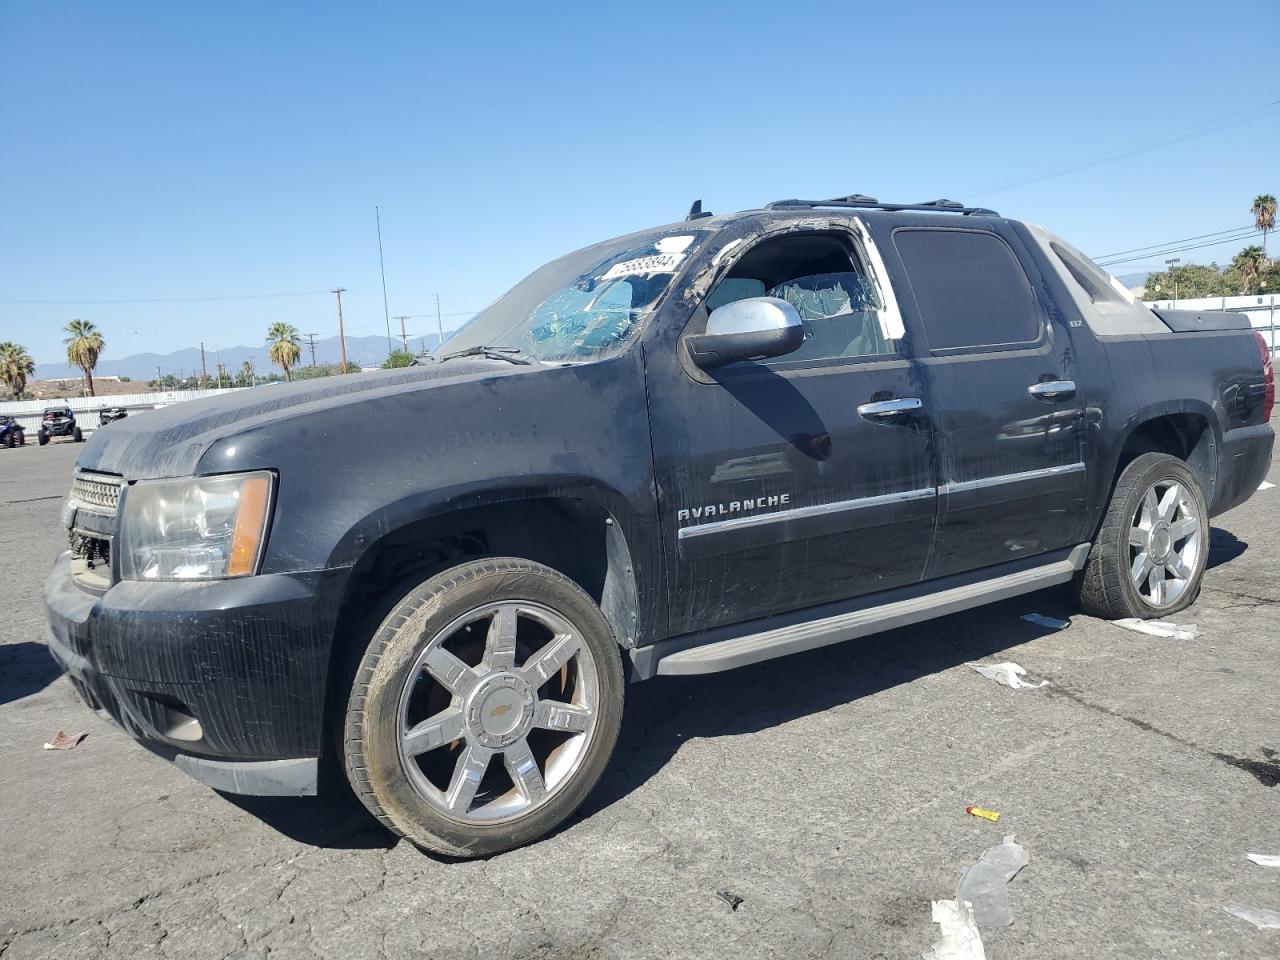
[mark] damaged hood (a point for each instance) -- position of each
(170, 442)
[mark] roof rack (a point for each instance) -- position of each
(858, 201)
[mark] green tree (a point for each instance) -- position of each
(1264, 216)
(397, 358)
(1193, 280)
(284, 346)
(84, 346)
(1248, 265)
(248, 376)
(15, 367)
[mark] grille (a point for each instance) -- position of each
(103, 494)
(93, 550)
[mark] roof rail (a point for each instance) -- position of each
(858, 201)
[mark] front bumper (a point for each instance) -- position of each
(227, 678)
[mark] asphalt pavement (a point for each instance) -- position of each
(826, 790)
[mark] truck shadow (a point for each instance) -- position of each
(25, 668)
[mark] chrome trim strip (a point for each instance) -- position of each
(821, 509)
(1052, 388)
(982, 482)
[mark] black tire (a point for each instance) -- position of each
(370, 745)
(77, 436)
(1106, 587)
(8, 440)
(22, 438)
(43, 437)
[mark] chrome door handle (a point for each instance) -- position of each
(1053, 389)
(885, 409)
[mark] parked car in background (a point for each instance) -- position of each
(11, 433)
(678, 452)
(58, 422)
(111, 414)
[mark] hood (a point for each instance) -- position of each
(169, 442)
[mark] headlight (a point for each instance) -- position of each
(200, 528)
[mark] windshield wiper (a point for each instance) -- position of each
(509, 354)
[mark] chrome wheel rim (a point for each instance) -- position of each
(498, 711)
(1166, 537)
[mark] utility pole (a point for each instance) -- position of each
(159, 382)
(439, 324)
(312, 338)
(204, 371)
(1173, 276)
(383, 267)
(404, 337)
(342, 339)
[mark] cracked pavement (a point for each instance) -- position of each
(828, 790)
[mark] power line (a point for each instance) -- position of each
(242, 296)
(1203, 236)
(1153, 254)
(1167, 140)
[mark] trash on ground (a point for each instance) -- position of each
(1044, 621)
(1159, 628)
(985, 885)
(1262, 919)
(991, 815)
(1265, 485)
(960, 939)
(63, 742)
(1264, 860)
(1009, 674)
(732, 899)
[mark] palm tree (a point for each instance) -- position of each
(1264, 216)
(284, 343)
(84, 346)
(1249, 262)
(15, 366)
(247, 373)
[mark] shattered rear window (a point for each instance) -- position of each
(584, 305)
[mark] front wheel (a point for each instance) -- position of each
(1150, 554)
(42, 437)
(485, 708)
(76, 435)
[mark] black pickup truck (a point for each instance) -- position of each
(680, 451)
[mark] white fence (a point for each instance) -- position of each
(28, 412)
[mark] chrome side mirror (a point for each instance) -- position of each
(751, 329)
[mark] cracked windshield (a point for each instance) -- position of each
(584, 305)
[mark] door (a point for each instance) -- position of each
(1002, 398)
(801, 480)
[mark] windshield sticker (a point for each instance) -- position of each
(673, 244)
(642, 266)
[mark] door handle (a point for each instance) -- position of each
(888, 409)
(1053, 389)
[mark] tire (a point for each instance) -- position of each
(22, 438)
(8, 440)
(486, 779)
(1144, 541)
(77, 436)
(42, 437)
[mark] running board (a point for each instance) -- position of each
(746, 648)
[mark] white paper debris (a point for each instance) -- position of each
(1264, 860)
(1262, 919)
(673, 244)
(985, 885)
(1044, 621)
(1265, 485)
(1159, 628)
(960, 939)
(1009, 674)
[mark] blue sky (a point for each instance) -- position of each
(171, 152)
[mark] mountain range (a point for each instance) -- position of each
(365, 351)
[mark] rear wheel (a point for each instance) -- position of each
(485, 708)
(1150, 555)
(22, 438)
(42, 437)
(9, 440)
(76, 435)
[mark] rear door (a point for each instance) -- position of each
(1002, 397)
